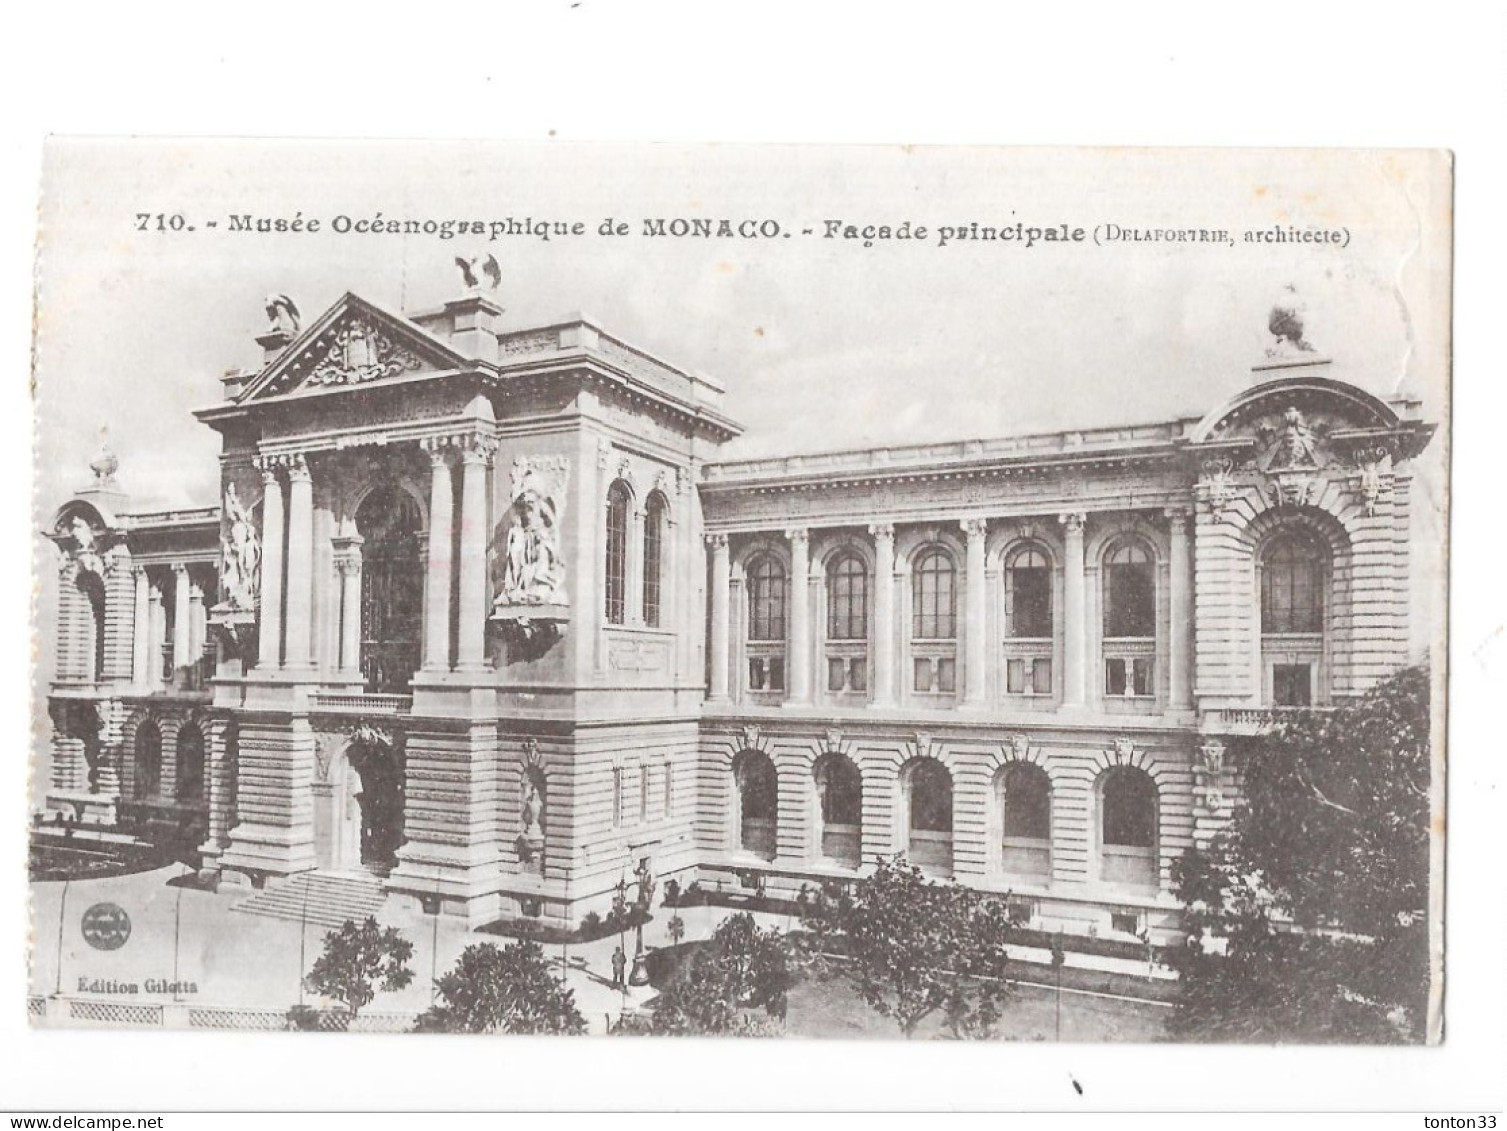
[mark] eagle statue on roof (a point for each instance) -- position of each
(477, 268)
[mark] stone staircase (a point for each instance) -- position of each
(326, 899)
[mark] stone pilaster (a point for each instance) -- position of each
(299, 628)
(141, 628)
(274, 799)
(441, 568)
(476, 455)
(884, 614)
(798, 662)
(975, 634)
(348, 569)
(1074, 627)
(1180, 652)
(270, 629)
(721, 594)
(182, 619)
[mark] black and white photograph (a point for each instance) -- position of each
(749, 591)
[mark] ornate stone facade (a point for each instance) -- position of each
(501, 652)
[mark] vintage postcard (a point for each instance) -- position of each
(751, 591)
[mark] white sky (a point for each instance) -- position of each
(820, 343)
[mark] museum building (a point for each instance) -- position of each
(483, 619)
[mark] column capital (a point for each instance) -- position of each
(139, 570)
(1073, 521)
(796, 534)
(298, 468)
(476, 448)
(438, 449)
(179, 569)
(715, 541)
(1178, 518)
(975, 527)
(884, 531)
(268, 466)
(348, 564)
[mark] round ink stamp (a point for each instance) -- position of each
(105, 926)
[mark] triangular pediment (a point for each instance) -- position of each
(352, 343)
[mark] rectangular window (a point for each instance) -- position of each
(617, 797)
(669, 788)
(758, 674)
(643, 793)
(1292, 685)
(923, 675)
(836, 671)
(776, 673)
(1125, 676)
(1041, 676)
(1131, 598)
(1031, 602)
(1125, 923)
(1015, 677)
(858, 675)
(947, 674)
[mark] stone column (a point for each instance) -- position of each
(157, 636)
(441, 569)
(197, 622)
(141, 629)
(270, 631)
(884, 613)
(182, 619)
(471, 647)
(975, 661)
(798, 662)
(1074, 628)
(300, 563)
(1180, 657)
(721, 590)
(348, 569)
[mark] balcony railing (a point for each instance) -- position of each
(355, 703)
(1253, 720)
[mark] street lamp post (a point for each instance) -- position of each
(643, 881)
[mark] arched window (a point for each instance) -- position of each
(1127, 826)
(1130, 621)
(1028, 593)
(1028, 621)
(766, 624)
(654, 535)
(934, 622)
(393, 564)
(93, 651)
(146, 762)
(928, 809)
(619, 501)
(1025, 801)
(188, 785)
(758, 803)
(1293, 568)
(934, 596)
(847, 624)
(839, 791)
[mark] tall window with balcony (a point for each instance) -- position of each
(619, 502)
(654, 541)
(393, 564)
(839, 792)
(766, 625)
(1127, 827)
(847, 646)
(1293, 568)
(1028, 622)
(1025, 805)
(934, 624)
(757, 807)
(926, 787)
(1130, 622)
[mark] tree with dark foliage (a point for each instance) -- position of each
(507, 990)
(1318, 892)
(359, 960)
(916, 947)
(722, 986)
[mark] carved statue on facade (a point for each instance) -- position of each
(282, 315)
(240, 572)
(533, 572)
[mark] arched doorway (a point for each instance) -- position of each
(392, 588)
(188, 785)
(926, 787)
(366, 812)
(146, 763)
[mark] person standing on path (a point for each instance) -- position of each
(619, 966)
